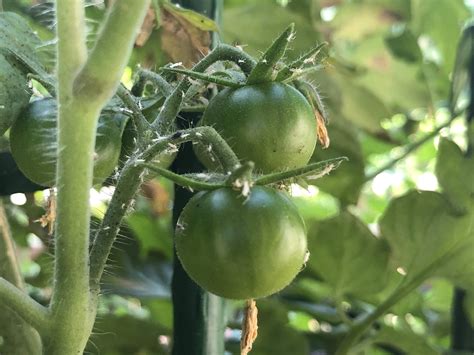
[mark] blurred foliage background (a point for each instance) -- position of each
(386, 86)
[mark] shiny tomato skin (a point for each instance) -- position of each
(271, 124)
(241, 248)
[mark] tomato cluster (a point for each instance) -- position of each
(238, 246)
(238, 239)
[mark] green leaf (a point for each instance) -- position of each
(461, 90)
(240, 26)
(14, 94)
(153, 234)
(361, 106)
(455, 173)
(347, 256)
(403, 44)
(275, 336)
(20, 44)
(356, 21)
(405, 340)
(346, 181)
(18, 57)
(441, 21)
(428, 240)
(196, 19)
(399, 84)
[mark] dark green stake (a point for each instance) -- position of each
(199, 317)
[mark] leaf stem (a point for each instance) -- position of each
(408, 149)
(140, 122)
(182, 180)
(28, 309)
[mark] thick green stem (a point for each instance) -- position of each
(100, 76)
(165, 120)
(83, 89)
(70, 299)
(18, 335)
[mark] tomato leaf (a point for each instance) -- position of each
(404, 340)
(347, 256)
(455, 173)
(196, 19)
(14, 94)
(427, 239)
(18, 47)
(275, 336)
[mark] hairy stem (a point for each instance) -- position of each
(100, 76)
(83, 89)
(408, 149)
(70, 299)
(165, 120)
(157, 80)
(184, 181)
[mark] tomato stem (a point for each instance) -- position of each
(208, 78)
(139, 121)
(144, 76)
(164, 122)
(84, 87)
(318, 169)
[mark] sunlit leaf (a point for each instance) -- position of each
(404, 340)
(347, 256)
(455, 173)
(427, 239)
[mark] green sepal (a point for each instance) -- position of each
(289, 70)
(264, 71)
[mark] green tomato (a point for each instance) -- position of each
(238, 247)
(271, 124)
(33, 142)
